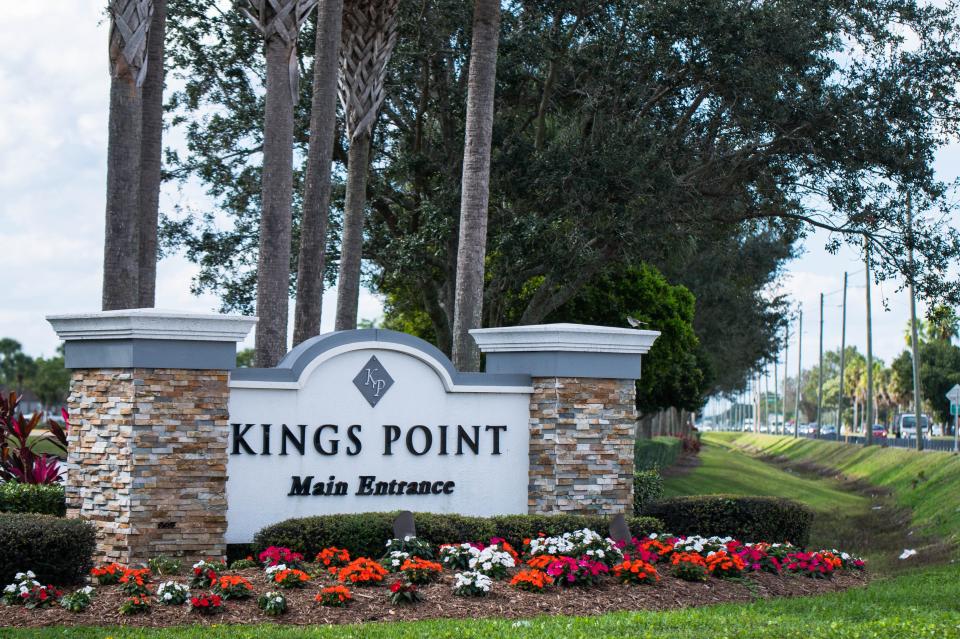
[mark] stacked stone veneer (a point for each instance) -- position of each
(148, 461)
(582, 433)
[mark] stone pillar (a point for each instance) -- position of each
(582, 410)
(147, 444)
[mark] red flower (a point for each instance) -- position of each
(396, 586)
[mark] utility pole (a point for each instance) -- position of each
(796, 406)
(820, 382)
(914, 339)
(776, 398)
(868, 435)
(843, 356)
(786, 355)
(766, 397)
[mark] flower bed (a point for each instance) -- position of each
(644, 576)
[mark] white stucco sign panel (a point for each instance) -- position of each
(373, 426)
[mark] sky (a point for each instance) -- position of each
(53, 140)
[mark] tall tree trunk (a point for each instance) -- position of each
(273, 266)
(279, 21)
(129, 30)
(369, 35)
(316, 197)
(475, 186)
(348, 283)
(151, 149)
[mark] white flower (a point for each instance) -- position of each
(10, 588)
(907, 553)
(277, 568)
(87, 590)
(407, 538)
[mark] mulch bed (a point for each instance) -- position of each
(372, 603)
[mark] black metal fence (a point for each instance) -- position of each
(903, 442)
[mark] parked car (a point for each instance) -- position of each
(828, 429)
(879, 431)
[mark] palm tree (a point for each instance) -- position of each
(129, 30)
(279, 21)
(475, 184)
(151, 148)
(369, 37)
(316, 197)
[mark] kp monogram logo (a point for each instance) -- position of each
(373, 381)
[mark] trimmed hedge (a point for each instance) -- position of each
(365, 534)
(45, 499)
(771, 519)
(58, 550)
(659, 452)
(647, 488)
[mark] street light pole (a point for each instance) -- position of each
(820, 381)
(868, 435)
(786, 356)
(843, 356)
(914, 339)
(796, 406)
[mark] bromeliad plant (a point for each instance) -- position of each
(472, 584)
(19, 460)
(172, 593)
(78, 600)
(334, 596)
(233, 587)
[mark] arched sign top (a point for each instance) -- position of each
(295, 368)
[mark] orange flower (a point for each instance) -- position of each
(639, 572)
(540, 562)
(722, 563)
(362, 571)
(532, 580)
(333, 557)
(334, 596)
(108, 574)
(290, 578)
(688, 558)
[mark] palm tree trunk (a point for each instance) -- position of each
(120, 240)
(151, 149)
(129, 30)
(316, 198)
(273, 266)
(475, 189)
(348, 283)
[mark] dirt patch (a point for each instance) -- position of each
(372, 604)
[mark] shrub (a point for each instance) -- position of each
(647, 488)
(658, 452)
(44, 499)
(770, 519)
(364, 534)
(58, 550)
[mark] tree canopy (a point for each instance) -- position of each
(703, 138)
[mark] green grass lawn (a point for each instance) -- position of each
(927, 483)
(726, 470)
(923, 604)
